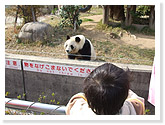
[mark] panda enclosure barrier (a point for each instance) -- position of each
(34, 83)
(33, 107)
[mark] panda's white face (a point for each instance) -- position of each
(74, 44)
(70, 47)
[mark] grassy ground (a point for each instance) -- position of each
(106, 50)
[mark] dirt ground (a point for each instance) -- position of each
(142, 41)
(127, 49)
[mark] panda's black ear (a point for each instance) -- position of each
(68, 37)
(77, 39)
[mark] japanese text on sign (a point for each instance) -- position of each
(57, 69)
(13, 64)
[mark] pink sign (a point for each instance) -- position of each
(151, 96)
(13, 64)
(56, 69)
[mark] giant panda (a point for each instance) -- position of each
(79, 47)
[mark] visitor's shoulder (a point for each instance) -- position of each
(137, 102)
(78, 105)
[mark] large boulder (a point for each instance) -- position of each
(36, 31)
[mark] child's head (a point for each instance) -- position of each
(106, 89)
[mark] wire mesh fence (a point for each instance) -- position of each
(98, 58)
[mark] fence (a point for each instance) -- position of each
(98, 57)
(35, 75)
(35, 107)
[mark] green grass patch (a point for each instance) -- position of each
(86, 20)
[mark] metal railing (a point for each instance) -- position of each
(35, 106)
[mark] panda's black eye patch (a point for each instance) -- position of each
(66, 46)
(72, 47)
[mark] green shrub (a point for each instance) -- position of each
(147, 31)
(70, 16)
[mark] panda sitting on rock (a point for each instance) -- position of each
(78, 47)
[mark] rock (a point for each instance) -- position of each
(36, 31)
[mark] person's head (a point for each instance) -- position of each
(106, 89)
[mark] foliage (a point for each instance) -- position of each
(143, 10)
(42, 99)
(54, 10)
(141, 16)
(53, 49)
(7, 93)
(101, 26)
(70, 16)
(122, 28)
(86, 20)
(147, 31)
(21, 96)
(147, 112)
(25, 12)
(110, 28)
(131, 28)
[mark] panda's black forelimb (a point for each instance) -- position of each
(86, 50)
(71, 56)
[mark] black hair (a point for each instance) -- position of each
(106, 88)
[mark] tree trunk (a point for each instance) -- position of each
(134, 8)
(105, 14)
(128, 20)
(15, 23)
(152, 18)
(116, 12)
(34, 18)
(111, 11)
(119, 13)
(28, 14)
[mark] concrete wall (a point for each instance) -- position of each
(64, 87)
(13, 82)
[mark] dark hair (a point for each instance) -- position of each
(106, 89)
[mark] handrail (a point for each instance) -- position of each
(35, 106)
